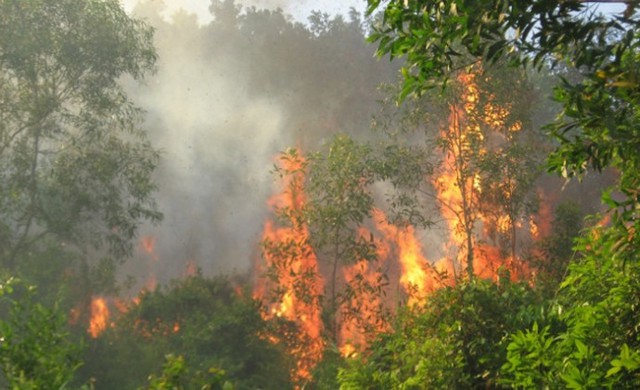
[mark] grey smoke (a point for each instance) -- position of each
(220, 130)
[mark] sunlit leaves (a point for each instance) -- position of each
(590, 338)
(456, 340)
(35, 350)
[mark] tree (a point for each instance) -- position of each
(339, 187)
(487, 162)
(76, 168)
(590, 339)
(340, 199)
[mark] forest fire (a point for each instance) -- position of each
(99, 317)
(457, 185)
(365, 310)
(362, 316)
(460, 186)
(290, 283)
(418, 277)
(294, 284)
(148, 245)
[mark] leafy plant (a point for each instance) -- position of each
(36, 351)
(457, 340)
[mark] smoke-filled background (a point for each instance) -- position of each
(236, 83)
(230, 93)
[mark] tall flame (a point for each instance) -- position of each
(148, 245)
(294, 286)
(362, 315)
(418, 277)
(99, 317)
(459, 187)
(365, 305)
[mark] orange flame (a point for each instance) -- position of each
(148, 244)
(295, 285)
(418, 278)
(364, 313)
(456, 191)
(99, 317)
(191, 268)
(459, 193)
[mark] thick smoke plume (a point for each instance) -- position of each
(226, 98)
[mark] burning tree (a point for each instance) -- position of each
(209, 321)
(584, 344)
(340, 200)
(482, 183)
(291, 285)
(321, 249)
(336, 266)
(332, 249)
(458, 182)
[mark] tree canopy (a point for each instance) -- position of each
(75, 167)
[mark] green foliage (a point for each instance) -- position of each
(35, 352)
(340, 199)
(440, 37)
(76, 169)
(325, 374)
(599, 128)
(204, 320)
(340, 195)
(595, 341)
(457, 340)
(176, 375)
(552, 254)
(529, 359)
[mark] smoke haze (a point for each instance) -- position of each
(227, 97)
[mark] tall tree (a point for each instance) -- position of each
(485, 162)
(75, 166)
(340, 200)
(598, 124)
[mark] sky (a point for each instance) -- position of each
(299, 9)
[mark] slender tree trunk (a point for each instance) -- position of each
(470, 254)
(334, 281)
(513, 239)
